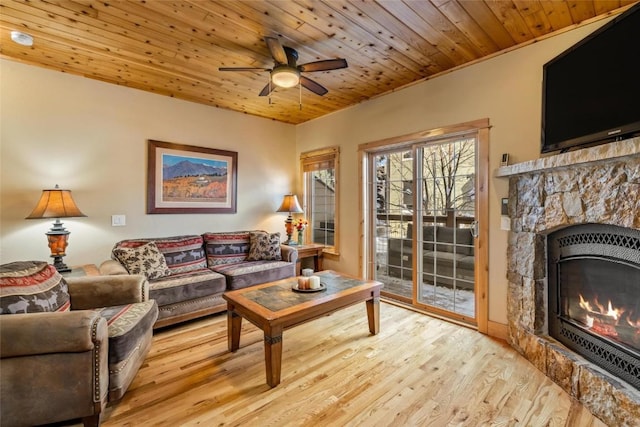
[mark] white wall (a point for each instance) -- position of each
(506, 89)
(91, 137)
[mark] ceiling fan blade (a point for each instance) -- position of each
(243, 69)
(324, 65)
(267, 89)
(314, 87)
(276, 49)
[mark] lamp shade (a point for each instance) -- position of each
(56, 203)
(290, 204)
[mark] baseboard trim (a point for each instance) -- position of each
(498, 330)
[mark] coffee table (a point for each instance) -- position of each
(274, 307)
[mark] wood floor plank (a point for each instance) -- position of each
(418, 371)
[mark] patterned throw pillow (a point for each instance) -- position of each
(264, 246)
(146, 260)
(226, 247)
(183, 254)
(32, 287)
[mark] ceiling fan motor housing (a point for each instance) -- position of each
(292, 55)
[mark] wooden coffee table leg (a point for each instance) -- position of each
(234, 325)
(373, 314)
(273, 355)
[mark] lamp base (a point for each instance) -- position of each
(60, 265)
(58, 238)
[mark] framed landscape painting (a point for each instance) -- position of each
(186, 179)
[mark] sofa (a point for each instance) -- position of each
(68, 345)
(447, 253)
(188, 274)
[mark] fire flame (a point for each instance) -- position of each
(585, 304)
(610, 311)
(621, 324)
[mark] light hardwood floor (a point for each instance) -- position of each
(419, 371)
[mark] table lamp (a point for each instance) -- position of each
(290, 204)
(57, 203)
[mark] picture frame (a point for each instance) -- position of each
(185, 179)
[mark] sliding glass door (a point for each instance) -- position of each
(422, 211)
(445, 222)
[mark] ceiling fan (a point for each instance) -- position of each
(286, 73)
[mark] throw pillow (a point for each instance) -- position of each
(264, 246)
(32, 287)
(183, 254)
(146, 260)
(226, 248)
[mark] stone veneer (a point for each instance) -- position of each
(594, 185)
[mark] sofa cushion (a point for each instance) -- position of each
(251, 273)
(182, 253)
(264, 246)
(463, 240)
(126, 325)
(32, 287)
(146, 260)
(226, 248)
(428, 233)
(448, 259)
(186, 286)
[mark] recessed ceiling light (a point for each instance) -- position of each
(22, 38)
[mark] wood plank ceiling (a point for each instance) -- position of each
(174, 48)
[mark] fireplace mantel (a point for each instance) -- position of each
(599, 185)
(620, 149)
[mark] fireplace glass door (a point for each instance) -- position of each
(603, 297)
(594, 295)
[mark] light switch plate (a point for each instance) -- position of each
(505, 223)
(118, 220)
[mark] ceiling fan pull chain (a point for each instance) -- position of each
(269, 90)
(300, 90)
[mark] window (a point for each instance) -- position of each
(320, 178)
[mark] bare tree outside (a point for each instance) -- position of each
(448, 183)
(448, 179)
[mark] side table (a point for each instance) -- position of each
(83, 270)
(307, 251)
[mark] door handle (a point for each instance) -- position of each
(474, 229)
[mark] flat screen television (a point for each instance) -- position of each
(591, 91)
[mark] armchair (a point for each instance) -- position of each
(67, 358)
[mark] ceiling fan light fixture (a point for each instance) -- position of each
(285, 77)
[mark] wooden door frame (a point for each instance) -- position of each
(481, 129)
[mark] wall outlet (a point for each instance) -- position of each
(118, 220)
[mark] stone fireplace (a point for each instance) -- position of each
(597, 187)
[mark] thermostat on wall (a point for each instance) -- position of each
(504, 207)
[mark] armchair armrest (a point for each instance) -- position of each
(46, 333)
(104, 291)
(289, 253)
(112, 267)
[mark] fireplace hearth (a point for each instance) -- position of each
(594, 295)
(557, 196)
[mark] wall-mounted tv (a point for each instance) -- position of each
(591, 91)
